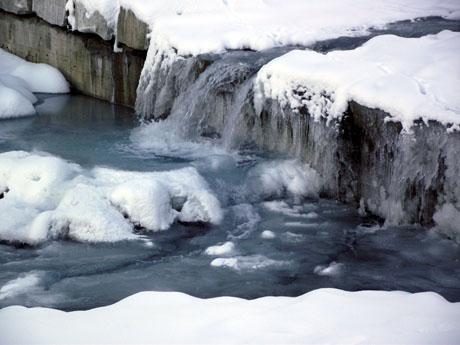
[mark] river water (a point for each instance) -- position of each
(276, 244)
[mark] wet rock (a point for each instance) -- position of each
(132, 32)
(91, 23)
(16, 6)
(51, 11)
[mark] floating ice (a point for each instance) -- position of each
(247, 263)
(20, 285)
(267, 235)
(223, 249)
(332, 269)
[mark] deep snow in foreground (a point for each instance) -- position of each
(19, 79)
(319, 317)
(262, 24)
(410, 78)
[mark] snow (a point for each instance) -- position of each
(202, 26)
(19, 79)
(223, 249)
(109, 9)
(324, 316)
(47, 197)
(410, 78)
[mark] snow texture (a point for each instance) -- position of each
(324, 316)
(409, 78)
(202, 26)
(19, 79)
(47, 197)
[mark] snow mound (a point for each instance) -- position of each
(19, 79)
(47, 198)
(262, 24)
(324, 316)
(410, 78)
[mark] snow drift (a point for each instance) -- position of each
(319, 317)
(19, 79)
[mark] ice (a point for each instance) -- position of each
(447, 220)
(324, 316)
(19, 79)
(226, 248)
(47, 197)
(286, 178)
(247, 263)
(20, 285)
(410, 78)
(332, 269)
(267, 235)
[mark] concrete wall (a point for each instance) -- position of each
(88, 62)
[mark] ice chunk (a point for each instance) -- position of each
(267, 235)
(334, 268)
(222, 249)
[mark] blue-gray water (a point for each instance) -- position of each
(76, 275)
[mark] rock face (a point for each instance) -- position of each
(17, 6)
(88, 62)
(132, 32)
(51, 11)
(401, 177)
(91, 23)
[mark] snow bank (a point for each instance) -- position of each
(19, 79)
(47, 197)
(325, 316)
(410, 78)
(262, 24)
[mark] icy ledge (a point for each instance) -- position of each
(409, 78)
(46, 197)
(325, 316)
(19, 79)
